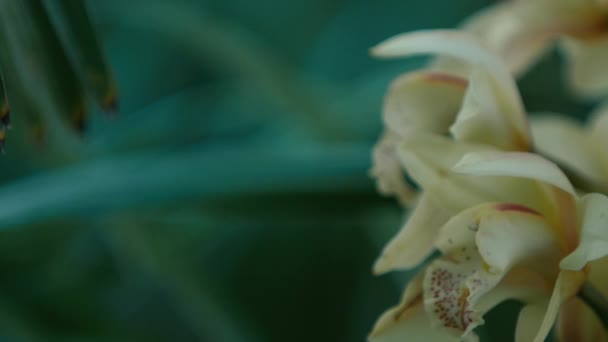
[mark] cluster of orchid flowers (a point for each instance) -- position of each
(515, 209)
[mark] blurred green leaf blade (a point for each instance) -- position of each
(77, 35)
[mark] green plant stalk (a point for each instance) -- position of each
(205, 173)
(5, 118)
(76, 33)
(233, 50)
(39, 81)
(210, 320)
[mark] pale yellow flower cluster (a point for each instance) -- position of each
(507, 221)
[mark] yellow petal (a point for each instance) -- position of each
(566, 286)
(508, 29)
(386, 169)
(514, 164)
(414, 242)
(568, 143)
(504, 236)
(464, 46)
(412, 325)
(587, 61)
(448, 290)
(529, 320)
(458, 294)
(520, 283)
(593, 243)
(481, 246)
(456, 239)
(484, 116)
(577, 322)
(599, 137)
(428, 159)
(451, 43)
(408, 321)
(411, 103)
(511, 234)
(521, 31)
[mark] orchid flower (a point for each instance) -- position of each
(508, 222)
(517, 31)
(521, 31)
(484, 109)
(484, 106)
(531, 240)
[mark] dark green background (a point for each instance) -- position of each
(229, 200)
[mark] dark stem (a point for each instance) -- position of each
(596, 301)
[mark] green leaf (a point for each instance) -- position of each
(40, 84)
(131, 181)
(77, 36)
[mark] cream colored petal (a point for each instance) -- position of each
(412, 296)
(448, 288)
(520, 283)
(414, 242)
(461, 45)
(568, 143)
(456, 239)
(429, 159)
(408, 321)
(412, 325)
(482, 119)
(511, 234)
(566, 286)
(504, 235)
(387, 171)
(481, 246)
(411, 102)
(557, 202)
(506, 28)
(587, 65)
(529, 321)
(459, 293)
(593, 209)
(451, 43)
(521, 31)
(599, 137)
(577, 322)
(514, 164)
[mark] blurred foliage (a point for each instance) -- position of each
(228, 198)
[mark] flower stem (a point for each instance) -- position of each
(596, 301)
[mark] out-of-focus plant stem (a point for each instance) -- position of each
(225, 45)
(13, 325)
(209, 319)
(39, 81)
(75, 31)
